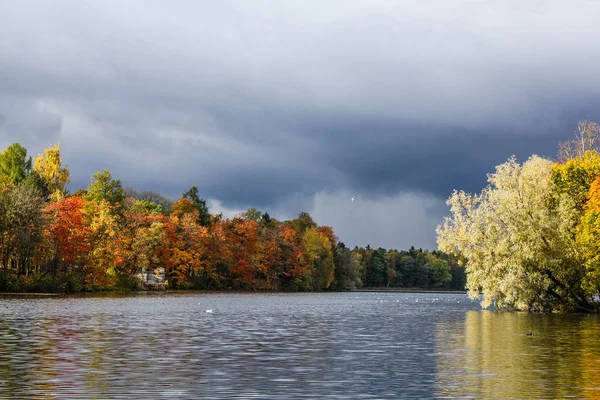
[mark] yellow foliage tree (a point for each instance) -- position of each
(588, 236)
(100, 268)
(575, 176)
(188, 249)
(318, 253)
(49, 166)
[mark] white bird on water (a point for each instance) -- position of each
(208, 311)
(353, 198)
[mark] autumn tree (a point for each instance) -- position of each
(243, 241)
(68, 235)
(183, 206)
(217, 257)
(518, 251)
(103, 230)
(588, 236)
(288, 270)
(188, 250)
(48, 166)
(318, 254)
(139, 240)
(21, 225)
(574, 177)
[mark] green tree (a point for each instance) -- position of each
(347, 269)
(407, 267)
(439, 273)
(377, 269)
(393, 274)
(199, 204)
(14, 164)
(147, 207)
(104, 188)
(252, 214)
(35, 181)
(302, 223)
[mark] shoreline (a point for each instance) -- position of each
(117, 292)
(28, 294)
(402, 290)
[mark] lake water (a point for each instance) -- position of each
(281, 346)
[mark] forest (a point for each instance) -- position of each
(531, 239)
(104, 236)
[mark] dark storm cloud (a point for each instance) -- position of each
(278, 104)
(420, 158)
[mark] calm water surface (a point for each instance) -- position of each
(275, 346)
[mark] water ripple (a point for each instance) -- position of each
(276, 346)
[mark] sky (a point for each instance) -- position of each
(291, 106)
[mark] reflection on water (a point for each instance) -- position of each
(338, 345)
(507, 355)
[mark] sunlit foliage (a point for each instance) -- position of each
(50, 169)
(530, 239)
(105, 237)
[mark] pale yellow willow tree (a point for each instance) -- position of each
(516, 239)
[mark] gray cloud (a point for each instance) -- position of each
(285, 105)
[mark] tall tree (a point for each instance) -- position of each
(318, 252)
(586, 138)
(103, 232)
(188, 251)
(67, 235)
(14, 164)
(104, 188)
(575, 176)
(48, 166)
(252, 214)
(302, 223)
(148, 195)
(588, 236)
(518, 251)
(347, 270)
(199, 204)
(439, 273)
(21, 225)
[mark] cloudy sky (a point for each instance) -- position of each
(291, 106)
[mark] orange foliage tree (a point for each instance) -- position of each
(67, 236)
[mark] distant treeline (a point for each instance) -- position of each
(105, 237)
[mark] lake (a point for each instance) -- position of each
(281, 346)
